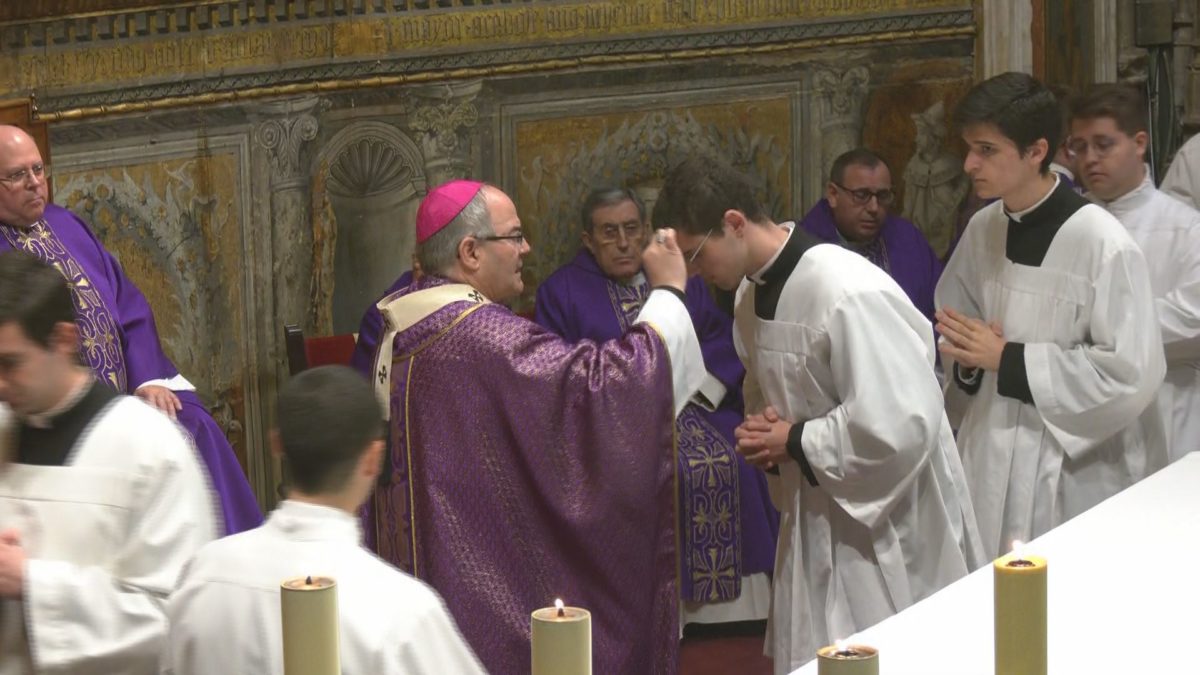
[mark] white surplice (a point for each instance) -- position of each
(1183, 176)
(1093, 364)
(107, 535)
(844, 351)
(225, 616)
(1168, 231)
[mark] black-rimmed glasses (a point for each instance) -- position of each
(862, 196)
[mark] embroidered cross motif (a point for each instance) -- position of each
(382, 375)
(476, 296)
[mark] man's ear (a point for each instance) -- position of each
(371, 463)
(64, 339)
(468, 254)
(735, 220)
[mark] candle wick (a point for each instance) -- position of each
(1020, 562)
(308, 581)
(562, 611)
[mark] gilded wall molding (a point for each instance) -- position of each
(316, 57)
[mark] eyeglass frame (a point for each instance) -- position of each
(517, 237)
(696, 253)
(1088, 146)
(859, 200)
(642, 231)
(22, 175)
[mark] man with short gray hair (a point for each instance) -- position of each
(524, 468)
(725, 572)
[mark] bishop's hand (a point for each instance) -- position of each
(663, 261)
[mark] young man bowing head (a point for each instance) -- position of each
(844, 403)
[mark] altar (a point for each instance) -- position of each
(1124, 593)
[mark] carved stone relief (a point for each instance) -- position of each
(934, 182)
(841, 95)
(444, 120)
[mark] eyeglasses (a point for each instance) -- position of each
(1102, 146)
(610, 233)
(862, 196)
(692, 258)
(517, 238)
(21, 176)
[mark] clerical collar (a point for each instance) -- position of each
(1029, 238)
(1132, 199)
(45, 420)
(1017, 216)
(760, 277)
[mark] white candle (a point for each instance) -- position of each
(310, 626)
(562, 640)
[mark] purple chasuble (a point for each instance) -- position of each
(728, 526)
(119, 342)
(370, 330)
(901, 251)
(525, 469)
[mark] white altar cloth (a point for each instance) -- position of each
(1124, 594)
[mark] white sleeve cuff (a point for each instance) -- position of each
(177, 383)
(710, 394)
(669, 317)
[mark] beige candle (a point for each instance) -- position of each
(847, 659)
(1020, 613)
(310, 626)
(562, 641)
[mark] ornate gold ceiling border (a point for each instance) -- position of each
(235, 50)
(373, 82)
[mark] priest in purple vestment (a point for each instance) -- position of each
(524, 468)
(854, 214)
(118, 338)
(726, 560)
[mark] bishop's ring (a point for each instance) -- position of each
(660, 237)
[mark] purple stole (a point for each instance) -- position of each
(119, 342)
(728, 527)
(524, 469)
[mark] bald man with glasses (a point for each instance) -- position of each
(854, 214)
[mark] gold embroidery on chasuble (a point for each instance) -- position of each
(99, 341)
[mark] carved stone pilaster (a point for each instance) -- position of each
(442, 121)
(841, 95)
(283, 128)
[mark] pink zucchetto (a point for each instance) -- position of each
(442, 205)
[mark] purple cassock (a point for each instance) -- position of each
(900, 250)
(119, 342)
(728, 526)
(524, 468)
(371, 329)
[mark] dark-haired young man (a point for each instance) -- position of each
(225, 616)
(843, 401)
(1046, 309)
(1109, 136)
(102, 499)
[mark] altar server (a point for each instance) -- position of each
(844, 405)
(102, 498)
(1109, 137)
(225, 617)
(1047, 309)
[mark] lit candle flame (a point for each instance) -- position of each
(1018, 549)
(558, 604)
(840, 645)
